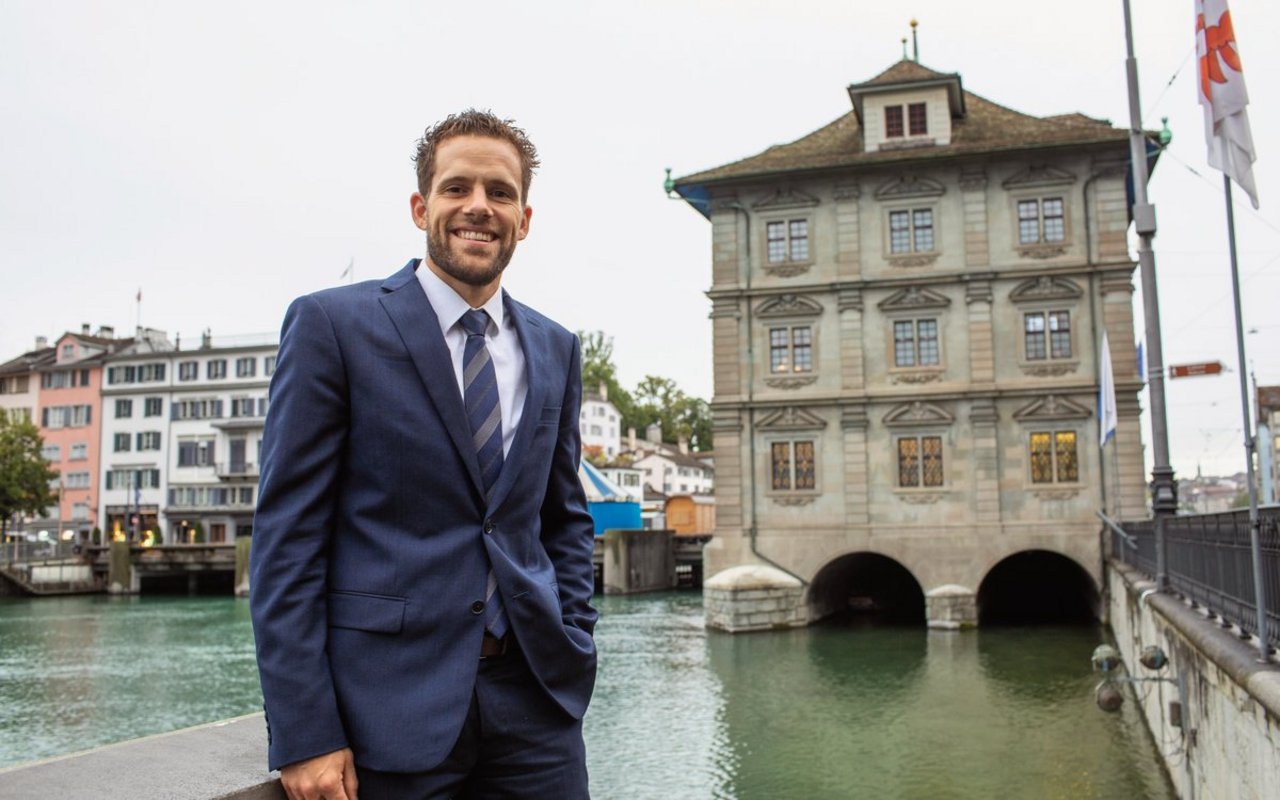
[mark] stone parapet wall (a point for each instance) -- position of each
(1228, 743)
(220, 761)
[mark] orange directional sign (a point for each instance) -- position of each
(1193, 370)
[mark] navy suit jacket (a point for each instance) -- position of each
(373, 540)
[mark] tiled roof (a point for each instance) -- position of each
(674, 455)
(905, 70)
(986, 127)
(28, 361)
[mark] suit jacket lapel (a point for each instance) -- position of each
(416, 322)
(533, 343)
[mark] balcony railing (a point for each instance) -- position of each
(237, 469)
(1209, 560)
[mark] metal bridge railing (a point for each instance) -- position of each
(18, 552)
(1208, 560)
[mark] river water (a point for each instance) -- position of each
(679, 712)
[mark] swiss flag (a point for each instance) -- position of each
(1223, 96)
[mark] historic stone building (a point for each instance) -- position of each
(907, 310)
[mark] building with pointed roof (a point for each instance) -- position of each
(907, 309)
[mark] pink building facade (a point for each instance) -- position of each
(69, 414)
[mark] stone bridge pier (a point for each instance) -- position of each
(948, 578)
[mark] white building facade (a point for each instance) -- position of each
(600, 425)
(181, 439)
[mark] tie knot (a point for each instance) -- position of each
(475, 321)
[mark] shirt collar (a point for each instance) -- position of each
(449, 305)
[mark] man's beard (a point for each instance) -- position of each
(439, 253)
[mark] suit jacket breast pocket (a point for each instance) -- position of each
(550, 415)
(366, 612)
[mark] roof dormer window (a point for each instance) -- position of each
(917, 121)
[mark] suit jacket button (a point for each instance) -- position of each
(489, 526)
(477, 607)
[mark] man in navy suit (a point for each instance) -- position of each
(421, 571)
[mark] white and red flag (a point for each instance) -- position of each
(1223, 96)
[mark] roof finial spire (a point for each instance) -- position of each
(915, 45)
(904, 48)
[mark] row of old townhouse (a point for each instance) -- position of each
(155, 441)
(151, 441)
(635, 465)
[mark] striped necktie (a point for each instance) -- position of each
(484, 413)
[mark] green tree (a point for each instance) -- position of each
(655, 399)
(682, 416)
(25, 476)
(598, 368)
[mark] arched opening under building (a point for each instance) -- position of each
(866, 589)
(220, 583)
(1038, 587)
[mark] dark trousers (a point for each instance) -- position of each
(516, 743)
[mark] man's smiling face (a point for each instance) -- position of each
(473, 214)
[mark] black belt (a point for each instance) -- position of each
(491, 646)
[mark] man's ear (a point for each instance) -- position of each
(523, 230)
(418, 209)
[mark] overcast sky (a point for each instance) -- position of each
(224, 158)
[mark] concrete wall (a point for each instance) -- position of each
(638, 561)
(1228, 745)
(62, 573)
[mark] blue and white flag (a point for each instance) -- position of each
(1106, 395)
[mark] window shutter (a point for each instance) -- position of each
(173, 411)
(88, 415)
(44, 417)
(109, 481)
(217, 409)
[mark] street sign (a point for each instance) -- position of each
(1194, 370)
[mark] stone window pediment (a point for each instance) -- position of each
(791, 419)
(1046, 289)
(785, 198)
(788, 305)
(918, 414)
(1039, 175)
(913, 298)
(909, 186)
(1052, 408)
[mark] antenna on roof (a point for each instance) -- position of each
(915, 45)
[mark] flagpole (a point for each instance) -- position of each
(1259, 590)
(1164, 491)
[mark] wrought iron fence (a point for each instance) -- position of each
(1209, 560)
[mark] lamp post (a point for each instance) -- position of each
(1164, 490)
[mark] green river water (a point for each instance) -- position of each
(679, 712)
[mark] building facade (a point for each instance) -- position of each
(907, 308)
(181, 438)
(1268, 432)
(19, 383)
(600, 425)
(69, 415)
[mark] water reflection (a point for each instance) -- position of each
(905, 713)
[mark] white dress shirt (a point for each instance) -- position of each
(500, 338)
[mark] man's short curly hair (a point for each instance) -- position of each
(474, 123)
